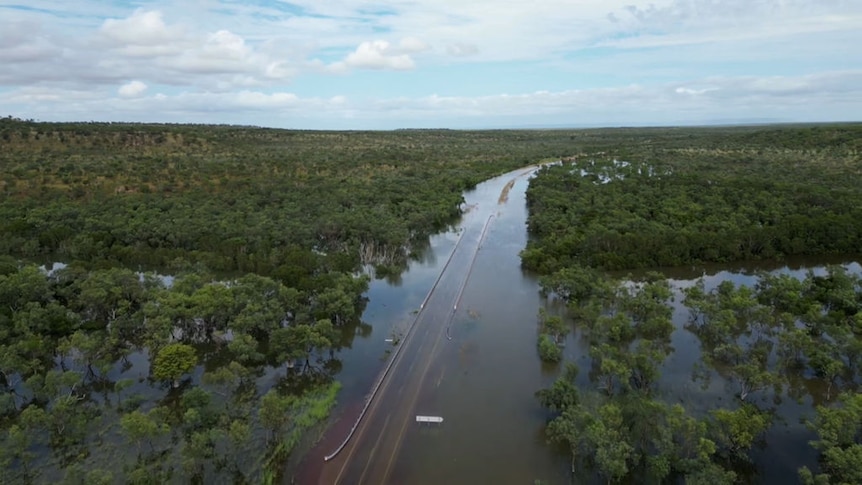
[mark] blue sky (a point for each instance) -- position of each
(355, 64)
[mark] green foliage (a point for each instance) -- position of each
(617, 436)
(839, 429)
(755, 338)
(278, 413)
(280, 203)
(59, 387)
(737, 334)
(552, 325)
(77, 475)
(552, 334)
(736, 431)
(273, 413)
(807, 326)
(563, 393)
(549, 351)
(174, 360)
(314, 406)
(664, 198)
(142, 428)
(286, 219)
(16, 454)
(629, 333)
(301, 340)
(607, 437)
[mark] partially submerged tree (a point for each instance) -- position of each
(839, 432)
(172, 361)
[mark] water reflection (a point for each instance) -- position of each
(786, 443)
(484, 380)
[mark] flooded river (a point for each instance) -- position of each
(485, 377)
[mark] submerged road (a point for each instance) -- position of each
(371, 453)
(370, 456)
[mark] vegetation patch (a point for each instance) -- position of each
(265, 237)
(683, 197)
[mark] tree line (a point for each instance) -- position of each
(657, 204)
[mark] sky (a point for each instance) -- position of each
(356, 64)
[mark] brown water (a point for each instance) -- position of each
(488, 372)
(485, 377)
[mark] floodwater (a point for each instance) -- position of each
(484, 379)
(488, 372)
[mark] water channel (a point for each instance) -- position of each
(486, 375)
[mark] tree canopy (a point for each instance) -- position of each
(687, 197)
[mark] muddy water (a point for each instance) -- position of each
(482, 380)
(485, 377)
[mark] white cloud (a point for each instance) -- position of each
(144, 45)
(828, 96)
(655, 57)
(143, 34)
(132, 89)
(379, 54)
(220, 52)
(23, 41)
(724, 99)
(681, 22)
(225, 45)
(693, 91)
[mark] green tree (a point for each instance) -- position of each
(300, 341)
(140, 427)
(553, 325)
(77, 475)
(839, 432)
(737, 335)
(549, 351)
(16, 454)
(737, 431)
(172, 361)
(681, 446)
(612, 450)
(563, 393)
(274, 414)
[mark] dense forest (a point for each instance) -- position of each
(274, 202)
(173, 298)
(186, 289)
(653, 201)
(731, 195)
